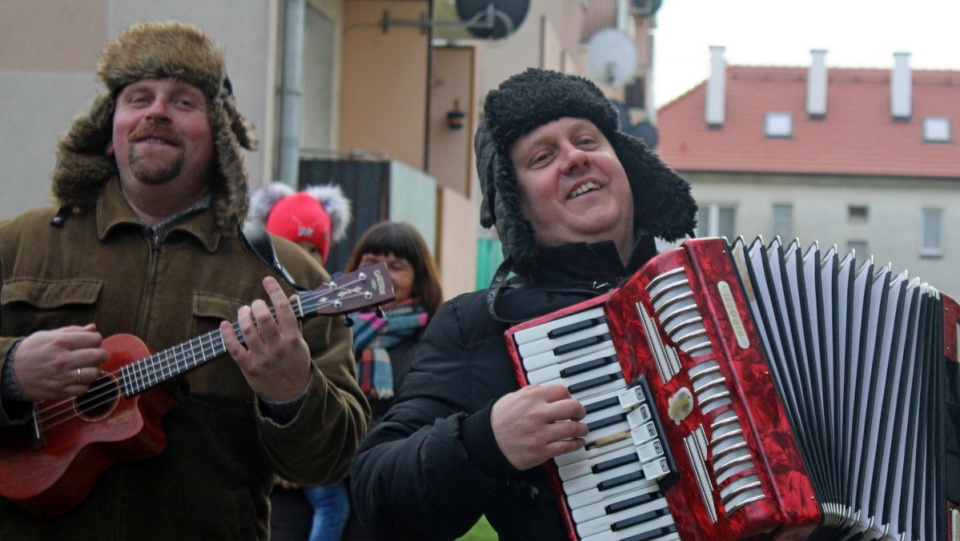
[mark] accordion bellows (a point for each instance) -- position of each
(741, 391)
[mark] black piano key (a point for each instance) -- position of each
(607, 421)
(638, 519)
(593, 382)
(577, 326)
(632, 502)
(620, 480)
(579, 344)
(588, 366)
(602, 404)
(607, 465)
(652, 534)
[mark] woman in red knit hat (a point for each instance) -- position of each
(314, 218)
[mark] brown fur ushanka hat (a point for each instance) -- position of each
(151, 50)
(663, 206)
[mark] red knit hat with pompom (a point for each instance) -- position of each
(300, 217)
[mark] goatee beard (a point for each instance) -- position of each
(153, 169)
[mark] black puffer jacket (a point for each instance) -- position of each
(432, 467)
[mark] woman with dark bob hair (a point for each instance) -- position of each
(394, 243)
(384, 347)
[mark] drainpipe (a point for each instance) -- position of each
(291, 91)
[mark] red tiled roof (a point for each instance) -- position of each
(858, 136)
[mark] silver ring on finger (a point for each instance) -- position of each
(79, 379)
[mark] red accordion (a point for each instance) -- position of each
(756, 392)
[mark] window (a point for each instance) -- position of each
(783, 221)
(715, 220)
(932, 222)
(779, 125)
(936, 129)
(859, 249)
(858, 214)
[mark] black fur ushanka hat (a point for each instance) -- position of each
(152, 50)
(663, 206)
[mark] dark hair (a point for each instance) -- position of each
(403, 240)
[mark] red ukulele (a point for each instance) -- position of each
(49, 467)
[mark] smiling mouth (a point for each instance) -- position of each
(155, 140)
(588, 187)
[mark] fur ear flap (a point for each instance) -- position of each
(83, 165)
(486, 149)
(663, 204)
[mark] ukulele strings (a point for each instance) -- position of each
(103, 391)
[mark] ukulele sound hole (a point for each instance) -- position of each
(100, 400)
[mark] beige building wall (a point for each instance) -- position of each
(48, 55)
(452, 88)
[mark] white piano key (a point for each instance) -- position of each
(540, 332)
(585, 454)
(554, 371)
(648, 456)
(597, 510)
(588, 384)
(548, 358)
(658, 529)
(586, 467)
(594, 495)
(607, 480)
(653, 509)
(567, 341)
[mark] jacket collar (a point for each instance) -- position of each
(113, 211)
(578, 269)
(583, 263)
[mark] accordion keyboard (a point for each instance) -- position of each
(610, 485)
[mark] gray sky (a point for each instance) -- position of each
(855, 33)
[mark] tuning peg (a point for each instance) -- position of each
(380, 313)
(348, 322)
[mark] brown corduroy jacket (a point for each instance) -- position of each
(213, 478)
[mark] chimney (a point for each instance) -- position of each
(716, 88)
(817, 84)
(901, 86)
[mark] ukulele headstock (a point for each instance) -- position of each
(366, 287)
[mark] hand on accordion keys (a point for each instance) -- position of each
(537, 423)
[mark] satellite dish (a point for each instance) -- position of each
(611, 57)
(492, 19)
(642, 130)
(645, 8)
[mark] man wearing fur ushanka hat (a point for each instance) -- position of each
(577, 204)
(144, 242)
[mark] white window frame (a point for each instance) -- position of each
(778, 125)
(937, 129)
(854, 246)
(931, 241)
(710, 227)
(783, 221)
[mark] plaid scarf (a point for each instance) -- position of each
(373, 336)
